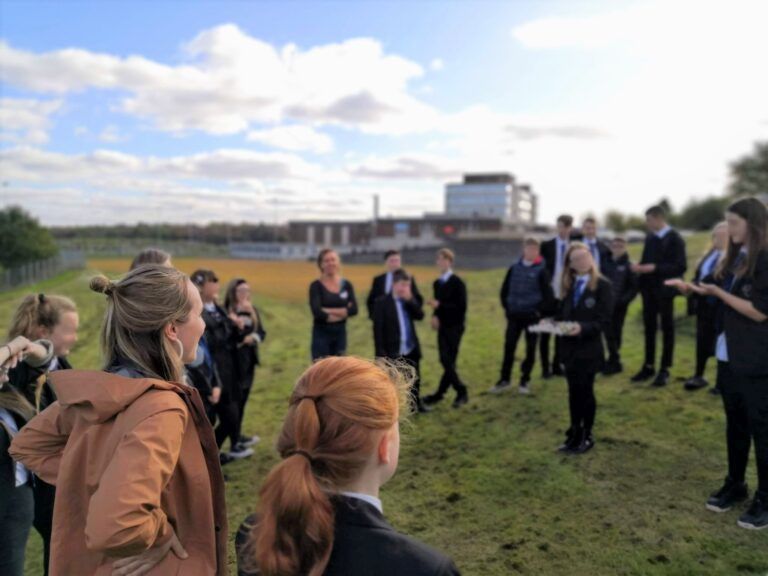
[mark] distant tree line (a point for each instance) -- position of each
(748, 177)
(213, 233)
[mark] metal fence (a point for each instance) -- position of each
(41, 269)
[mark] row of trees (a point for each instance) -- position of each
(213, 233)
(749, 177)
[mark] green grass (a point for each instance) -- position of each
(485, 485)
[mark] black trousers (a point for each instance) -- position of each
(546, 366)
(515, 328)
(245, 391)
(414, 362)
(614, 337)
(745, 399)
(655, 307)
(44, 495)
(448, 342)
(706, 338)
(15, 523)
(581, 400)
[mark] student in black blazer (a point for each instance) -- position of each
(740, 284)
(319, 508)
(588, 302)
(599, 249)
(394, 331)
(382, 284)
(705, 308)
(663, 259)
(221, 337)
(617, 267)
(449, 314)
(553, 251)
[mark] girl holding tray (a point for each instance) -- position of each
(585, 313)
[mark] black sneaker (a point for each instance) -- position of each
(756, 518)
(422, 408)
(431, 399)
(572, 441)
(715, 390)
(585, 446)
(695, 383)
(460, 400)
(613, 367)
(662, 379)
(645, 373)
(728, 496)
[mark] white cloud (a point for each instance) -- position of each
(295, 138)
(26, 121)
(437, 64)
(232, 81)
(111, 134)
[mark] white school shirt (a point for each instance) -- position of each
(388, 283)
(401, 320)
(372, 500)
(444, 277)
(561, 247)
(21, 473)
(721, 347)
(663, 232)
(594, 250)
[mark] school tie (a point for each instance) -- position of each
(731, 279)
(578, 291)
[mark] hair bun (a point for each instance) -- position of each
(102, 285)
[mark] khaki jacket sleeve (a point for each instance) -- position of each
(39, 445)
(124, 513)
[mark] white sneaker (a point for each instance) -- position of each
(239, 452)
(249, 441)
(500, 386)
(524, 390)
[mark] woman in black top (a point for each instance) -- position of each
(251, 333)
(332, 300)
(319, 508)
(588, 303)
(740, 284)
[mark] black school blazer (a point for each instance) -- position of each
(746, 339)
(593, 312)
(365, 545)
(378, 289)
(386, 326)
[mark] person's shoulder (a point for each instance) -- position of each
(420, 558)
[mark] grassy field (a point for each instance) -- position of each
(484, 483)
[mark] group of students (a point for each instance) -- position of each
(394, 305)
(136, 463)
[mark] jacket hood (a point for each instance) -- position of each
(100, 396)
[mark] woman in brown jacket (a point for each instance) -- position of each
(129, 448)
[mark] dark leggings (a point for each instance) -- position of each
(15, 522)
(329, 340)
(581, 400)
(745, 399)
(228, 411)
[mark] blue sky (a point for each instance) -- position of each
(198, 111)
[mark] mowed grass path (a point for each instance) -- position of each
(484, 483)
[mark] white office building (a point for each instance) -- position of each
(494, 195)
